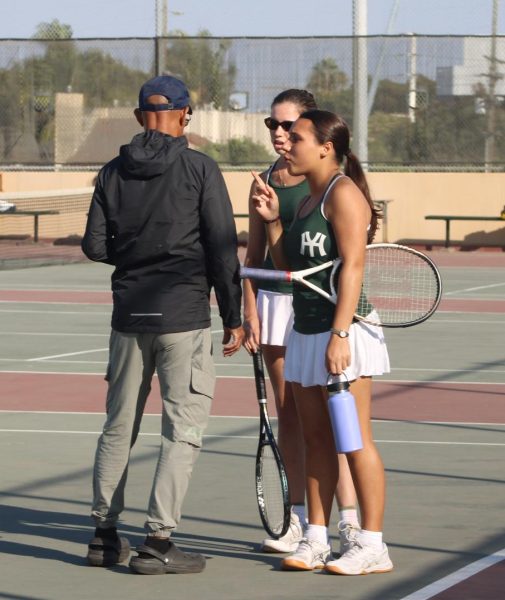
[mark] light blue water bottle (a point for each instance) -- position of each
(343, 415)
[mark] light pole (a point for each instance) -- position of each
(493, 76)
(161, 22)
(360, 81)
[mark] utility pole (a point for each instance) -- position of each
(493, 76)
(161, 13)
(161, 20)
(376, 75)
(412, 100)
(360, 81)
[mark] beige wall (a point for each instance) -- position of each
(412, 195)
(415, 195)
(28, 181)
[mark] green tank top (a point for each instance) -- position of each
(289, 199)
(310, 242)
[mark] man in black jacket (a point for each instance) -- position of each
(161, 215)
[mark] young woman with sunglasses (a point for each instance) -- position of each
(340, 214)
(268, 318)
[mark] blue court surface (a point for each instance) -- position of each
(446, 493)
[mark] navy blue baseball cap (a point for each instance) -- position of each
(174, 90)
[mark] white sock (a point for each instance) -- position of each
(299, 510)
(317, 533)
(371, 538)
(349, 515)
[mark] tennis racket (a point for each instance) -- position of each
(401, 286)
(272, 490)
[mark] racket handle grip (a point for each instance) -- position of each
(270, 274)
(259, 375)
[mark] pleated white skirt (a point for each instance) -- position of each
(275, 312)
(305, 355)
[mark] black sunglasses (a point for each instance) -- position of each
(272, 124)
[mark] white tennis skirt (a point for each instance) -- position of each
(305, 355)
(275, 312)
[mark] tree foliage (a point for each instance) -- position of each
(202, 64)
(53, 31)
(28, 87)
(238, 151)
(443, 129)
(331, 87)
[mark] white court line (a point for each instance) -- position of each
(56, 303)
(158, 434)
(55, 312)
(66, 333)
(67, 354)
(156, 415)
(472, 289)
(243, 365)
(247, 437)
(31, 333)
(96, 374)
(69, 413)
(49, 358)
(458, 576)
(86, 312)
(376, 381)
(441, 311)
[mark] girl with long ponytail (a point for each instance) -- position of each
(337, 219)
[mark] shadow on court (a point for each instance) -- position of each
(430, 525)
(445, 479)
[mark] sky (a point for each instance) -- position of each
(236, 18)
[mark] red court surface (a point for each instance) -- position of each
(412, 401)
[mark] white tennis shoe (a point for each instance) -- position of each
(289, 541)
(309, 555)
(361, 560)
(348, 534)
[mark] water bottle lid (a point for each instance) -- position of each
(337, 383)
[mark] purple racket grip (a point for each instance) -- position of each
(250, 273)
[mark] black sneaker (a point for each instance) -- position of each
(152, 562)
(106, 551)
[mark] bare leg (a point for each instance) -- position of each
(345, 494)
(290, 434)
(321, 463)
(366, 465)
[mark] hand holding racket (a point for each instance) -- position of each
(401, 286)
(272, 490)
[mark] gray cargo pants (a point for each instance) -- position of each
(183, 362)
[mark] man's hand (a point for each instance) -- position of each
(232, 340)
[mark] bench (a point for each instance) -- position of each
(449, 218)
(31, 213)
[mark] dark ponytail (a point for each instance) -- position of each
(354, 170)
(329, 127)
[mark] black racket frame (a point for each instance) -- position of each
(267, 438)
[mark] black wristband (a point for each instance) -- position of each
(267, 222)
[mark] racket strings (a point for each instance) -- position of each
(401, 287)
(270, 480)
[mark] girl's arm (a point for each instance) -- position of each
(266, 203)
(256, 245)
(349, 214)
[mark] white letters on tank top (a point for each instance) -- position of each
(312, 243)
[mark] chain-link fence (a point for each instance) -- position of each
(433, 102)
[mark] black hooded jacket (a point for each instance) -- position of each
(161, 214)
